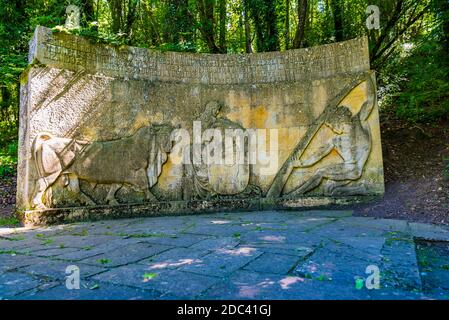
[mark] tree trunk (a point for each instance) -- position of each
(248, 47)
(88, 11)
(337, 11)
(222, 13)
(272, 40)
(206, 26)
(302, 17)
(116, 15)
(287, 24)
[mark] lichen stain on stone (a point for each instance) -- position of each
(260, 117)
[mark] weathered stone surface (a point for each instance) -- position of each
(120, 131)
(91, 290)
(12, 283)
(273, 263)
(57, 269)
(173, 282)
(125, 255)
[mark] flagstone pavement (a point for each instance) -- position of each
(250, 255)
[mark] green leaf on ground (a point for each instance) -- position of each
(104, 261)
(148, 276)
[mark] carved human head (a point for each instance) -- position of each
(339, 119)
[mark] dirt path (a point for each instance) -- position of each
(416, 165)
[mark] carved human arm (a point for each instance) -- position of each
(317, 156)
(368, 105)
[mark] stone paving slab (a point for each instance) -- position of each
(15, 282)
(272, 263)
(91, 290)
(126, 255)
(174, 258)
(57, 269)
(173, 282)
(249, 255)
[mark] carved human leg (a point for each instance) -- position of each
(110, 198)
(149, 196)
(42, 185)
(142, 184)
(332, 188)
(337, 172)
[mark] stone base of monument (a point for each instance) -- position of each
(35, 218)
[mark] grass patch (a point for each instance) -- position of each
(104, 261)
(9, 222)
(8, 252)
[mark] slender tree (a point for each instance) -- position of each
(337, 12)
(287, 25)
(206, 23)
(302, 17)
(222, 34)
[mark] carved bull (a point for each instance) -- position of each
(135, 161)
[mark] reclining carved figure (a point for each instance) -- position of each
(135, 161)
(351, 140)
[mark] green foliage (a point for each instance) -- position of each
(8, 159)
(425, 93)
(418, 83)
(9, 222)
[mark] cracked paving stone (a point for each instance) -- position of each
(400, 266)
(181, 240)
(272, 263)
(277, 237)
(325, 264)
(173, 258)
(173, 283)
(14, 261)
(215, 244)
(53, 252)
(92, 250)
(250, 285)
(125, 255)
(91, 290)
(287, 249)
(223, 230)
(12, 283)
(57, 269)
(223, 261)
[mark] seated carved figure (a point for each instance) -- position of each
(351, 140)
(135, 161)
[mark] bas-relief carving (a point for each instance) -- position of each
(211, 181)
(350, 140)
(137, 161)
(335, 149)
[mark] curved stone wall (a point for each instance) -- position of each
(128, 130)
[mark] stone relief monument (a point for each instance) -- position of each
(121, 131)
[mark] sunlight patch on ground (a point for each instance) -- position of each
(288, 281)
